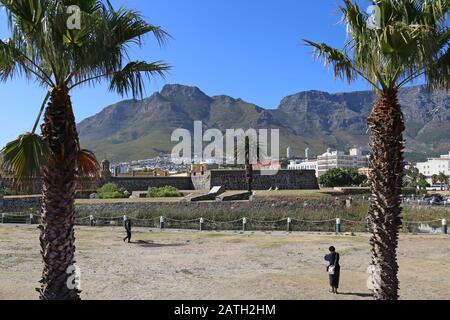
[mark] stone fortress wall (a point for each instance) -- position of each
(228, 179)
(283, 180)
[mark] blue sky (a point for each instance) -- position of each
(249, 49)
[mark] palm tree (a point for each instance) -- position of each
(410, 42)
(248, 165)
(434, 179)
(43, 47)
(443, 179)
(413, 175)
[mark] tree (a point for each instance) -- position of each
(408, 41)
(434, 179)
(338, 177)
(45, 46)
(248, 165)
(443, 179)
(413, 175)
(422, 184)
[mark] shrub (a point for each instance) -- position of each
(12, 192)
(341, 178)
(164, 192)
(112, 191)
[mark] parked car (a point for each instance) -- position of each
(436, 200)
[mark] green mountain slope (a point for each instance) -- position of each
(131, 130)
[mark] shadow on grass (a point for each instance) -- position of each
(360, 295)
(147, 244)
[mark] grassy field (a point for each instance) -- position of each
(220, 265)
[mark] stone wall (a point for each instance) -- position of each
(229, 179)
(20, 203)
(143, 183)
(283, 180)
(202, 182)
(221, 209)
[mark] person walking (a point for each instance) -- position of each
(128, 225)
(333, 269)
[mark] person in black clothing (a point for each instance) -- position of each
(333, 269)
(128, 225)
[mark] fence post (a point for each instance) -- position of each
(91, 220)
(338, 226)
(444, 226)
(202, 222)
(244, 224)
(3, 218)
(289, 225)
(161, 223)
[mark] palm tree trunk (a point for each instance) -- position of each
(248, 166)
(58, 210)
(386, 178)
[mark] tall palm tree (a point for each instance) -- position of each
(248, 165)
(410, 42)
(43, 47)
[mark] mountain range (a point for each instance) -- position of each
(141, 129)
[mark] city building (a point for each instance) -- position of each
(308, 154)
(289, 153)
(435, 166)
(355, 159)
(122, 168)
(303, 165)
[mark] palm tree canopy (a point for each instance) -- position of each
(42, 46)
(411, 40)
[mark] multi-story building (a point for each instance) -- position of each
(338, 159)
(435, 166)
(289, 153)
(303, 165)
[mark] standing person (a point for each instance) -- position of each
(128, 226)
(333, 269)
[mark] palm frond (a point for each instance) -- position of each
(131, 78)
(411, 40)
(87, 165)
(24, 157)
(338, 60)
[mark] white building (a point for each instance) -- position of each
(435, 166)
(303, 165)
(338, 159)
(122, 168)
(308, 153)
(289, 153)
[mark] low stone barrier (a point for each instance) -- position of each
(194, 208)
(17, 203)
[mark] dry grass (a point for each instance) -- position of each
(117, 201)
(295, 194)
(225, 265)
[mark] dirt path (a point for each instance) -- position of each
(192, 265)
